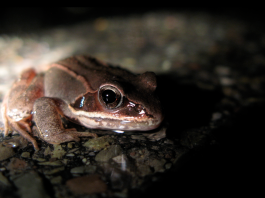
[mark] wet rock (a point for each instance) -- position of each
(16, 142)
(97, 144)
(25, 155)
(53, 163)
(157, 164)
(84, 169)
(17, 165)
(144, 170)
(6, 152)
(53, 171)
(89, 184)
(4, 180)
(47, 151)
(56, 180)
(105, 155)
(58, 152)
(91, 154)
(168, 165)
(70, 155)
(73, 150)
(30, 185)
(138, 137)
(70, 145)
(157, 135)
(120, 159)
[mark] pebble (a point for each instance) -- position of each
(91, 154)
(97, 144)
(54, 163)
(73, 150)
(83, 169)
(6, 152)
(137, 137)
(120, 159)
(157, 164)
(17, 165)
(53, 171)
(89, 184)
(70, 155)
(58, 152)
(30, 185)
(25, 155)
(143, 170)
(4, 180)
(56, 180)
(105, 155)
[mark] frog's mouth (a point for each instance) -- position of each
(102, 120)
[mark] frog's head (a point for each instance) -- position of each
(121, 101)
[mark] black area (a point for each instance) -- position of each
(26, 20)
(185, 105)
(232, 166)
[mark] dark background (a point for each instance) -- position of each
(21, 20)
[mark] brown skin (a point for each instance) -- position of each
(75, 88)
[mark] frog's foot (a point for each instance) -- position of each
(16, 126)
(68, 136)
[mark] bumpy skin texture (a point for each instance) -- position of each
(75, 88)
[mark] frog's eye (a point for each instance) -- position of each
(110, 97)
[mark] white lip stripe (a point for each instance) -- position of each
(103, 115)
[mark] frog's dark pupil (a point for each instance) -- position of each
(108, 96)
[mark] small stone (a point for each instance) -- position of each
(216, 116)
(138, 137)
(54, 163)
(40, 159)
(89, 184)
(58, 152)
(56, 180)
(25, 155)
(144, 170)
(157, 135)
(168, 141)
(83, 169)
(30, 185)
(80, 169)
(47, 151)
(155, 148)
(17, 165)
(91, 154)
(105, 155)
(84, 160)
(97, 144)
(157, 164)
(120, 159)
(168, 165)
(4, 180)
(6, 152)
(70, 145)
(53, 171)
(65, 161)
(2, 169)
(70, 155)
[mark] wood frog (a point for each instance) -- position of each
(86, 91)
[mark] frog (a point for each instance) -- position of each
(85, 91)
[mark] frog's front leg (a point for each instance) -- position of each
(46, 115)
